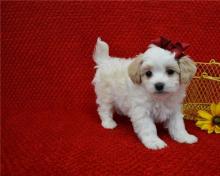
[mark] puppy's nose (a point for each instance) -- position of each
(159, 86)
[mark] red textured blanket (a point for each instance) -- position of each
(49, 121)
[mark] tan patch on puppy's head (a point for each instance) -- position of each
(134, 70)
(187, 69)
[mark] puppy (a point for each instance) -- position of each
(148, 89)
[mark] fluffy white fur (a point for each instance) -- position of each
(121, 85)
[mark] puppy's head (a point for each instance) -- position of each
(159, 72)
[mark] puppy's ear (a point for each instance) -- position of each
(187, 69)
(134, 70)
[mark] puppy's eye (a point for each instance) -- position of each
(148, 74)
(170, 71)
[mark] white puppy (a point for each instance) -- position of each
(148, 89)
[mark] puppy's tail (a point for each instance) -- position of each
(101, 52)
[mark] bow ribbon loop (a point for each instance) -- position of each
(178, 48)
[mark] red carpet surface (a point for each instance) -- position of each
(49, 121)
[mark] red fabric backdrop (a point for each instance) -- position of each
(49, 120)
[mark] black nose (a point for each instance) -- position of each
(159, 86)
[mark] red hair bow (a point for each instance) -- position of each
(178, 47)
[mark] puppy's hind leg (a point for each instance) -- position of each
(105, 111)
(104, 100)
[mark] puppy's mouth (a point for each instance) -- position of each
(160, 95)
(160, 92)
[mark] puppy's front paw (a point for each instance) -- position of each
(109, 124)
(186, 138)
(154, 143)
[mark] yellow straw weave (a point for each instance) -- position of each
(203, 90)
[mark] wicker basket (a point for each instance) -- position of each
(203, 90)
